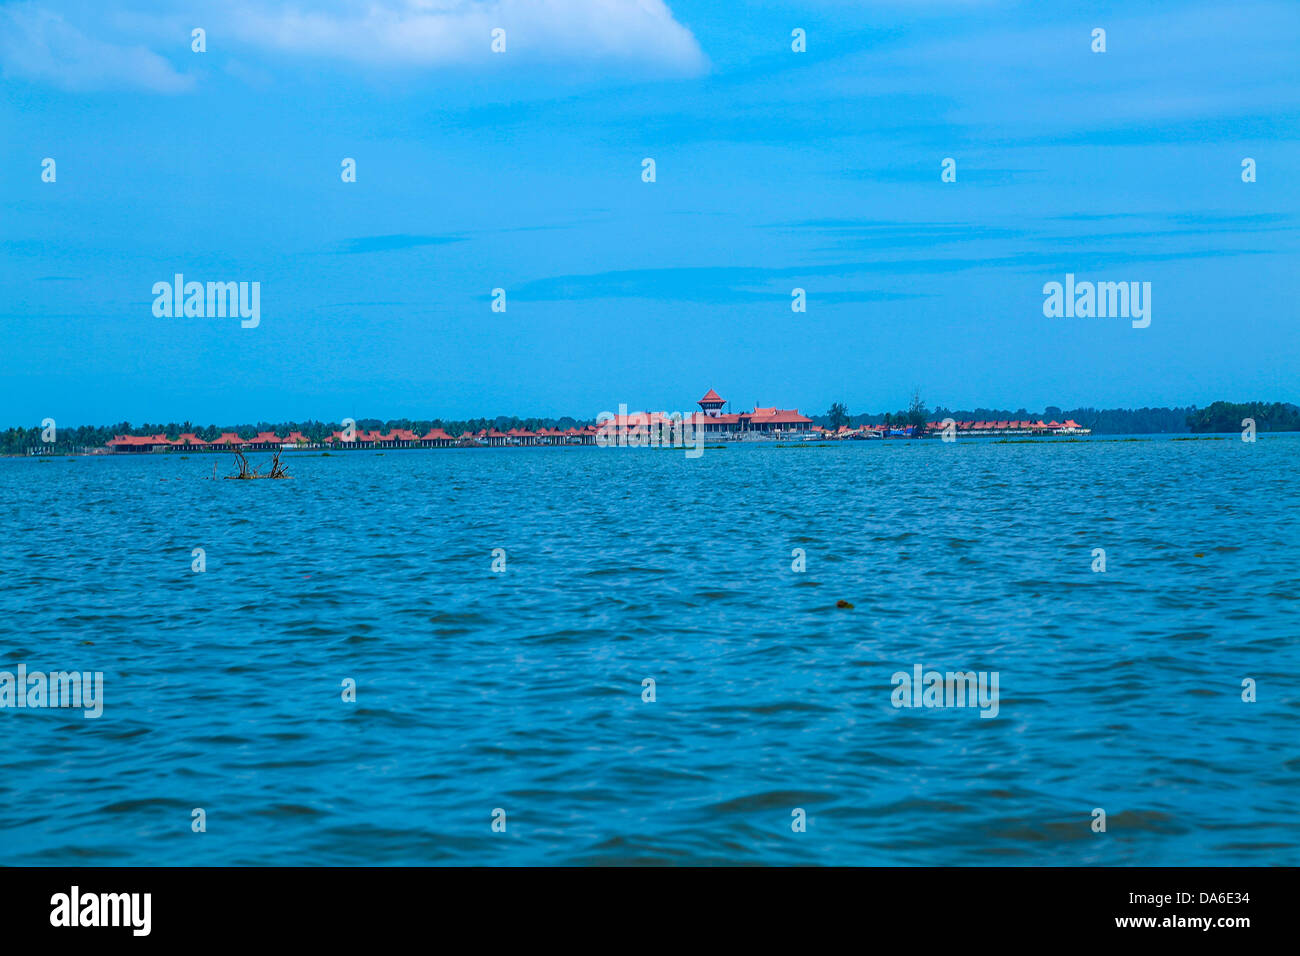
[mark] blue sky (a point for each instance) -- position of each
(522, 170)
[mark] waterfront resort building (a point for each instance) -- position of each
(710, 420)
(773, 421)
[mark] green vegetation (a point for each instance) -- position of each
(1102, 421)
(837, 415)
(1219, 417)
(915, 414)
(1228, 417)
(22, 441)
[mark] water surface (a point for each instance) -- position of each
(522, 690)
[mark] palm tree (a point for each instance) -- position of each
(916, 412)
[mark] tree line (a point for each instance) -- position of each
(23, 441)
(1228, 416)
(1218, 417)
(1222, 417)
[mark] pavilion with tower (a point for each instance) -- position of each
(775, 421)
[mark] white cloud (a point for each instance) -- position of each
(87, 45)
(458, 32)
(38, 44)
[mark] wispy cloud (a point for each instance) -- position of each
(39, 44)
(418, 32)
(712, 284)
(392, 243)
(78, 45)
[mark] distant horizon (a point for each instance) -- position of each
(812, 411)
(377, 421)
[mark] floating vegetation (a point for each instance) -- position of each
(1062, 441)
(1036, 441)
(843, 603)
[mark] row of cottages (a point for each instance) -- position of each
(1040, 427)
(270, 441)
(972, 429)
(640, 428)
(437, 438)
(543, 436)
(844, 432)
(396, 438)
(263, 441)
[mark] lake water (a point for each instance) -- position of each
(522, 690)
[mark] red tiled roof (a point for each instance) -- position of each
(139, 440)
(644, 419)
(778, 416)
(709, 397)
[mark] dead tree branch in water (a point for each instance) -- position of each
(277, 470)
(247, 473)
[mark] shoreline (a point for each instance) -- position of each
(327, 451)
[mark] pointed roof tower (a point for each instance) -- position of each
(712, 402)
